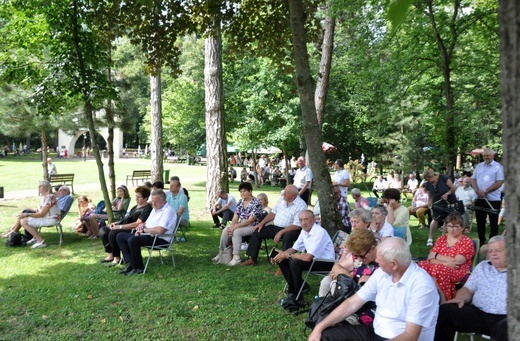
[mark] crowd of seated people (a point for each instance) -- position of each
(475, 308)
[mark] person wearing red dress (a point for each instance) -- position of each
(450, 258)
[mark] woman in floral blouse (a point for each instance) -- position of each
(247, 214)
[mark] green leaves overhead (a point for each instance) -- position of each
(397, 11)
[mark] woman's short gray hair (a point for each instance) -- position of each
(395, 249)
(355, 191)
(362, 214)
(381, 209)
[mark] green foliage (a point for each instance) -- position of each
(397, 11)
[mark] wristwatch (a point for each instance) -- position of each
(289, 257)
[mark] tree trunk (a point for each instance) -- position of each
(446, 52)
(44, 155)
(509, 12)
(311, 131)
(86, 94)
(322, 84)
(156, 141)
(216, 173)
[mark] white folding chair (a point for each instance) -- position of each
(162, 247)
(472, 336)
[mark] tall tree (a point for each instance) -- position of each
(311, 131)
(155, 27)
(215, 128)
(509, 12)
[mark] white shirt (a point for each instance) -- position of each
(224, 202)
(317, 242)
(287, 215)
(412, 184)
(165, 217)
(339, 177)
(487, 175)
(413, 299)
(466, 194)
(302, 176)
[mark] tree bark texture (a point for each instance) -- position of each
(216, 174)
(156, 138)
(322, 84)
(509, 22)
(311, 131)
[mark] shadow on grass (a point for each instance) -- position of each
(63, 292)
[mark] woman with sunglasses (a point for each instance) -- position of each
(450, 258)
(362, 246)
(360, 219)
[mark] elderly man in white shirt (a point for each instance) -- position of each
(313, 242)
(406, 297)
(161, 221)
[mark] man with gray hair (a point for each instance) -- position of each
(486, 181)
(359, 201)
(480, 306)
(406, 297)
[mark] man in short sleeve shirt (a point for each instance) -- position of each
(406, 297)
(286, 224)
(486, 181)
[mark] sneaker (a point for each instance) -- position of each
(234, 262)
(32, 241)
(216, 259)
(38, 245)
(429, 242)
(244, 246)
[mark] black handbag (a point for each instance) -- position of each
(345, 287)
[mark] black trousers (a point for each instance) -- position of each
(481, 219)
(131, 247)
(108, 238)
(469, 319)
(346, 331)
(268, 232)
(292, 271)
(305, 195)
(226, 215)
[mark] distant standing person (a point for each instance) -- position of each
(341, 177)
(225, 208)
(486, 181)
(51, 167)
(302, 180)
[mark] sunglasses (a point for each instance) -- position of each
(364, 256)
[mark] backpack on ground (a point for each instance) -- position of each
(16, 239)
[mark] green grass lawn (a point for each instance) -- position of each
(64, 293)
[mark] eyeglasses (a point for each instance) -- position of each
(364, 256)
(453, 226)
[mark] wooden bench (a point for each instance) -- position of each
(63, 179)
(139, 175)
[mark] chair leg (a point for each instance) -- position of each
(59, 229)
(266, 250)
(148, 260)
